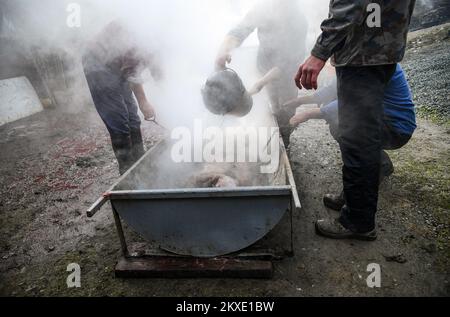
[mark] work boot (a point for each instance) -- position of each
(122, 147)
(137, 144)
(334, 202)
(332, 228)
(387, 168)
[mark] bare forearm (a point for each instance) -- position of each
(229, 44)
(224, 55)
(138, 90)
(145, 106)
(307, 100)
(306, 115)
(304, 100)
(315, 113)
(271, 75)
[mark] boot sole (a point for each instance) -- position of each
(353, 236)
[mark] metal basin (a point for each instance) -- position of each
(201, 222)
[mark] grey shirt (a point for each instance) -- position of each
(282, 30)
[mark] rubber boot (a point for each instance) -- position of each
(137, 144)
(122, 147)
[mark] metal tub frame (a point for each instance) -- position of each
(159, 264)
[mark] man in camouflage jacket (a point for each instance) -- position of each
(366, 39)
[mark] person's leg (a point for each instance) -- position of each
(337, 201)
(122, 148)
(106, 93)
(330, 113)
(281, 91)
(360, 95)
(391, 140)
(135, 125)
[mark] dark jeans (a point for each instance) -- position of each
(115, 103)
(360, 96)
(113, 98)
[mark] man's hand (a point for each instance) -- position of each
(309, 72)
(222, 60)
(147, 110)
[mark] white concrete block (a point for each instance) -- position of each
(18, 99)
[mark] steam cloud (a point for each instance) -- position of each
(185, 34)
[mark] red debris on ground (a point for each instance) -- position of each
(72, 162)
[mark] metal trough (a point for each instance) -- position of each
(200, 222)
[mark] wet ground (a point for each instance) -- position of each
(55, 164)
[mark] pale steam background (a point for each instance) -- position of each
(186, 34)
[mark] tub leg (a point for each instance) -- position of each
(123, 243)
(291, 216)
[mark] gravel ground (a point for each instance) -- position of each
(428, 13)
(427, 66)
(55, 164)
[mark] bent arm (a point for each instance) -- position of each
(306, 115)
(145, 106)
(270, 76)
(237, 36)
(139, 93)
(224, 55)
(343, 16)
(323, 96)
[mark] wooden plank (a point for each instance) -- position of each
(257, 251)
(170, 267)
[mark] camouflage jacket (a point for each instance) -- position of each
(354, 41)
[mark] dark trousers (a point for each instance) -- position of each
(360, 96)
(117, 108)
(390, 140)
(280, 91)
